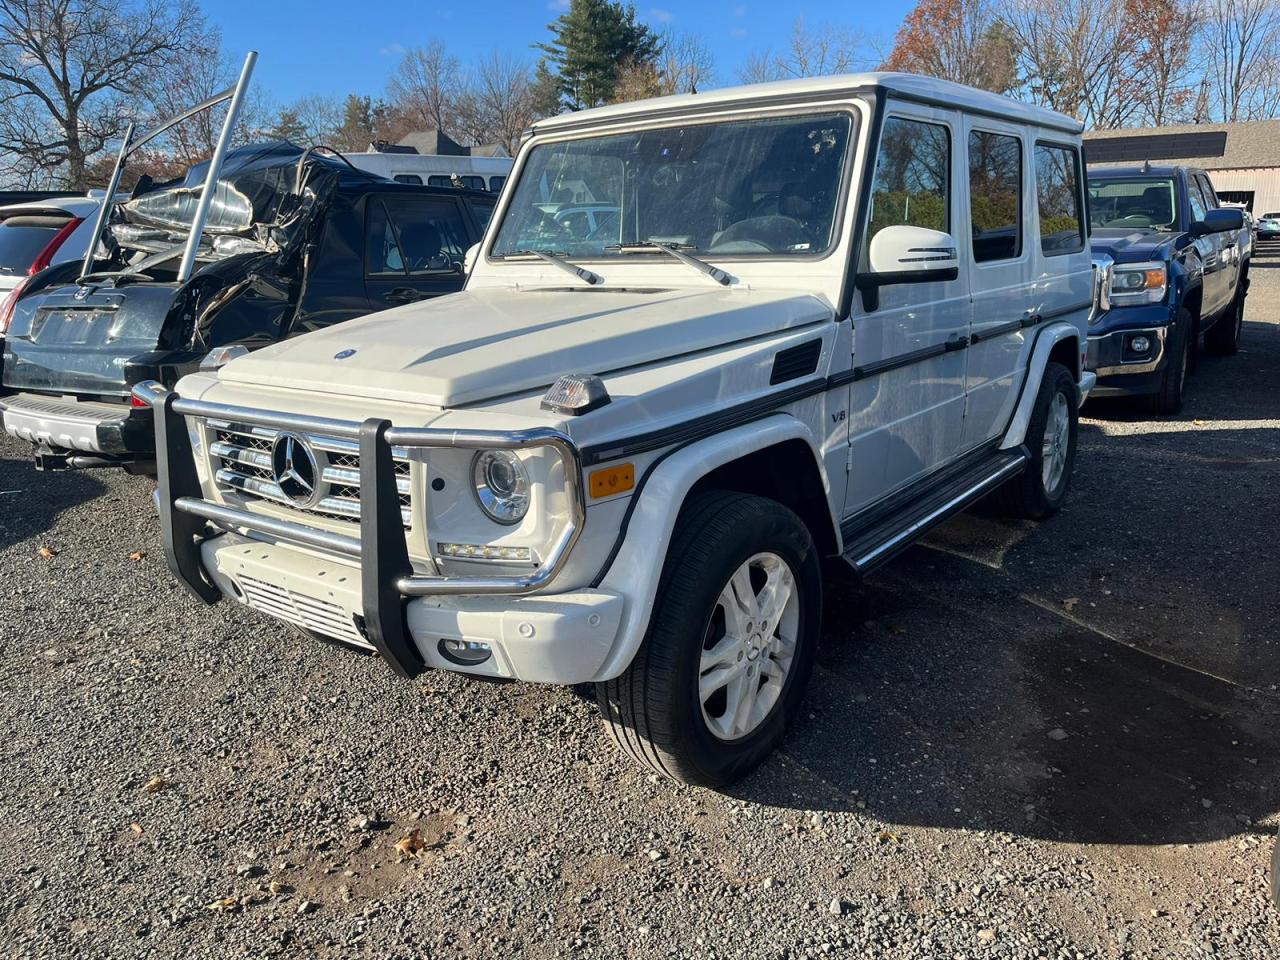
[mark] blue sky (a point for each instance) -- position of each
(336, 47)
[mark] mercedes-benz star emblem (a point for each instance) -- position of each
(295, 469)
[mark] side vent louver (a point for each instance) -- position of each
(795, 362)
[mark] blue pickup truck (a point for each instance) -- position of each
(1181, 275)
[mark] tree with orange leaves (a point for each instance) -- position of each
(962, 40)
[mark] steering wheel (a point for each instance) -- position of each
(548, 227)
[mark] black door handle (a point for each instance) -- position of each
(401, 295)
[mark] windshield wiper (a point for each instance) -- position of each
(558, 260)
(677, 251)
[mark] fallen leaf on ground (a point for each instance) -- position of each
(48, 552)
(136, 828)
(411, 845)
(138, 555)
(225, 905)
(887, 837)
(1070, 603)
(155, 784)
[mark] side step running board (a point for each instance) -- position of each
(870, 547)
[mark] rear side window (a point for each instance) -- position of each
(412, 237)
(995, 195)
(1058, 195)
(410, 178)
(912, 176)
(495, 183)
(439, 180)
(23, 239)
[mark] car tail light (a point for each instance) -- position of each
(10, 301)
(59, 238)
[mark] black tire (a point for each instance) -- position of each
(1027, 495)
(1167, 400)
(654, 710)
(1223, 337)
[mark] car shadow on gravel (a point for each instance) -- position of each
(30, 501)
(997, 715)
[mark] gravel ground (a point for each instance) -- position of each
(1022, 741)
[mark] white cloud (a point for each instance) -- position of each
(393, 50)
(738, 33)
(559, 6)
(740, 11)
(662, 16)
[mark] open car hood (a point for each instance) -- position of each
(475, 345)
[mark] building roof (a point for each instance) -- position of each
(911, 86)
(1212, 146)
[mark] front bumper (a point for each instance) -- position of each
(552, 638)
(1123, 371)
(114, 431)
(364, 591)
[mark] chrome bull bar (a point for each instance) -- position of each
(387, 578)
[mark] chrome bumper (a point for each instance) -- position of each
(1106, 352)
(386, 575)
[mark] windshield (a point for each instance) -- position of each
(740, 188)
(1148, 203)
(1271, 216)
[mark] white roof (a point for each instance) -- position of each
(80, 206)
(908, 85)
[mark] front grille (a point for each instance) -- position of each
(242, 464)
(308, 612)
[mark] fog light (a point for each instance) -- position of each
(465, 653)
(1140, 344)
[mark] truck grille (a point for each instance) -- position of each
(242, 463)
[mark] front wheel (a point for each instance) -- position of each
(1167, 400)
(1041, 488)
(1224, 337)
(730, 645)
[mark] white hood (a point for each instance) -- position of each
(485, 343)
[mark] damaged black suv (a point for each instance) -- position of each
(294, 240)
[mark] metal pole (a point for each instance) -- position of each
(215, 167)
(104, 211)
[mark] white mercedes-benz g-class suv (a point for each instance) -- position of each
(812, 319)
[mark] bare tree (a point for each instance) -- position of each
(1242, 60)
(498, 103)
(319, 117)
(820, 51)
(200, 71)
(425, 87)
(71, 70)
(1076, 56)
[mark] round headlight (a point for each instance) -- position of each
(502, 485)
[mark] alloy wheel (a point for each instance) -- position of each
(1057, 439)
(749, 647)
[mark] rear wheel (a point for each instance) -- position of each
(1167, 399)
(730, 645)
(1042, 487)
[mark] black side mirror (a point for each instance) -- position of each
(1219, 220)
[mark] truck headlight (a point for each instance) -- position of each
(501, 485)
(1136, 283)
